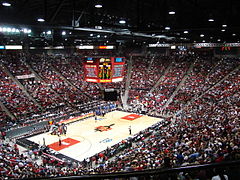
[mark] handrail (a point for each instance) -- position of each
(152, 171)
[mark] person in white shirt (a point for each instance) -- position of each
(220, 175)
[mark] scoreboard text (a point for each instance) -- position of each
(104, 70)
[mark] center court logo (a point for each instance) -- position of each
(103, 128)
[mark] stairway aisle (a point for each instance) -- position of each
(126, 93)
(5, 69)
(179, 85)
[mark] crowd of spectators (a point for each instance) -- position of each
(146, 71)
(174, 67)
(71, 68)
(194, 83)
(205, 74)
(206, 131)
(14, 98)
(40, 79)
(204, 126)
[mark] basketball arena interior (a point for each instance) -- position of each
(120, 89)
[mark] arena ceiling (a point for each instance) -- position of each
(193, 20)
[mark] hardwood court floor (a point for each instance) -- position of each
(92, 141)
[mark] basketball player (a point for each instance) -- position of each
(64, 129)
(59, 141)
(103, 113)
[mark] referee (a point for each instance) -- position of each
(130, 130)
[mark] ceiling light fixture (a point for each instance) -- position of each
(64, 33)
(223, 30)
(201, 35)
(185, 32)
(233, 34)
(224, 25)
(40, 20)
(219, 40)
(98, 5)
(171, 12)
(122, 21)
(6, 4)
(167, 28)
(210, 20)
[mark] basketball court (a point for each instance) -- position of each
(88, 137)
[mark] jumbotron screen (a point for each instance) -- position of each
(104, 69)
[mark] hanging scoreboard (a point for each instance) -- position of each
(104, 69)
